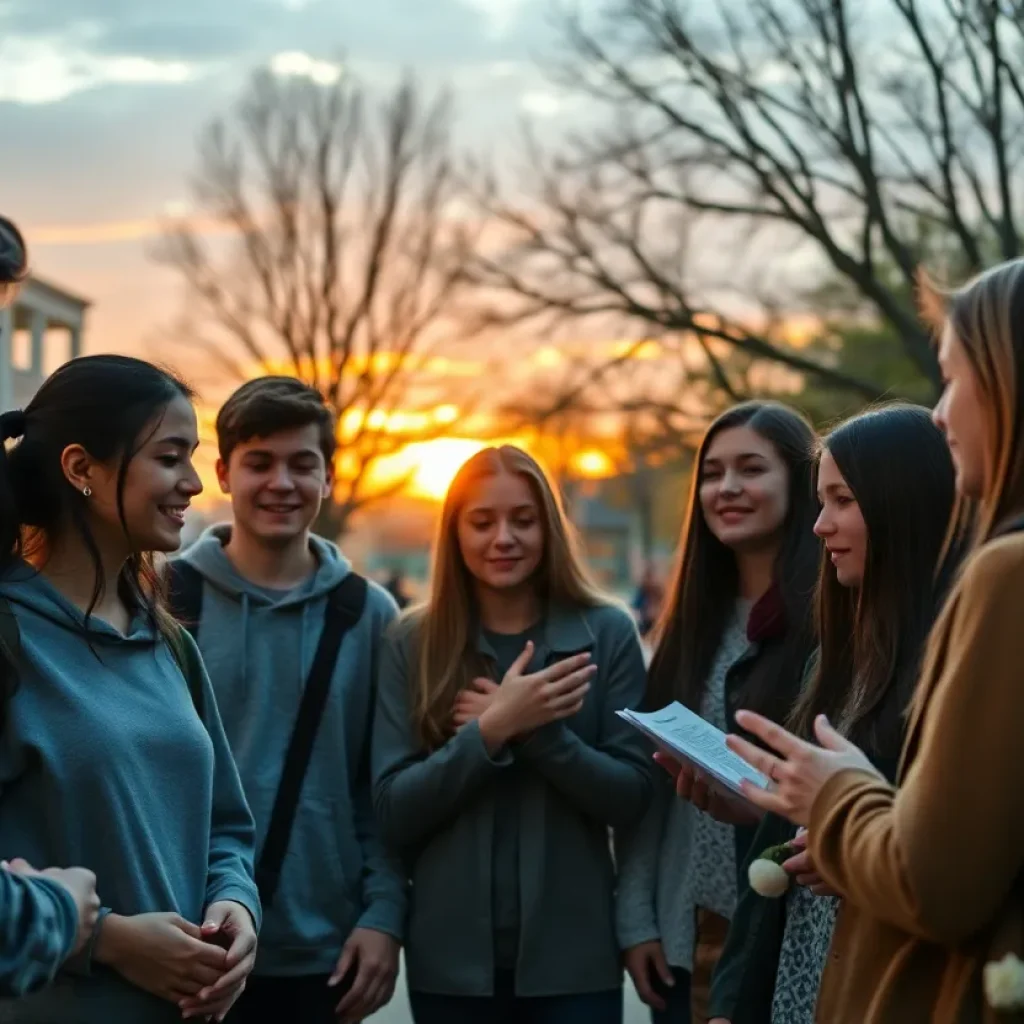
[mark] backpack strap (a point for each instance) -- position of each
(185, 594)
(345, 604)
(10, 635)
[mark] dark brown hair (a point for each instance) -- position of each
(268, 405)
(110, 405)
(896, 463)
(706, 578)
(13, 260)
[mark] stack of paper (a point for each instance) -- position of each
(680, 733)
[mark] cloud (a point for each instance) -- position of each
(101, 103)
(399, 31)
(543, 103)
(39, 71)
(295, 63)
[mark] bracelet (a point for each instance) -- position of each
(90, 946)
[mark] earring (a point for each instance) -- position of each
(87, 492)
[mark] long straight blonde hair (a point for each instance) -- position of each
(447, 660)
(987, 317)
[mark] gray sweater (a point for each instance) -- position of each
(677, 858)
(258, 648)
(578, 778)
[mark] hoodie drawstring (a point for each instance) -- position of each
(244, 640)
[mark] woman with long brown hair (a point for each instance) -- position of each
(885, 485)
(500, 764)
(930, 870)
(736, 631)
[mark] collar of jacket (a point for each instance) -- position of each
(767, 619)
(566, 631)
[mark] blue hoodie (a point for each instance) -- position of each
(258, 646)
(104, 763)
(38, 928)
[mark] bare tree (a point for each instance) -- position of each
(327, 246)
(857, 138)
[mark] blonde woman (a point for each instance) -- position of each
(501, 795)
(931, 870)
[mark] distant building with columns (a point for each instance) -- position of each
(41, 329)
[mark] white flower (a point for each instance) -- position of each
(767, 878)
(1004, 983)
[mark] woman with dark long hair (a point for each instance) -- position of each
(47, 915)
(112, 753)
(886, 487)
(930, 869)
(736, 632)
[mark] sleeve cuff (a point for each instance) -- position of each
(385, 916)
(81, 964)
(543, 741)
(235, 893)
(501, 759)
(636, 933)
(834, 790)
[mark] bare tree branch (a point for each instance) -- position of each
(341, 255)
(870, 135)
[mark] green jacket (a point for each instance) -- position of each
(580, 778)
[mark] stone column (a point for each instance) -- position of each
(6, 367)
(38, 343)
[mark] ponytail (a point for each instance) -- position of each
(12, 428)
(105, 404)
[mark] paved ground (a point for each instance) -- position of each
(398, 1011)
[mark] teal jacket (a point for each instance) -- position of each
(38, 928)
(104, 763)
(580, 778)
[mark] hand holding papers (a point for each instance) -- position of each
(681, 734)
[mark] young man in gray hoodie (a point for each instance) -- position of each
(258, 590)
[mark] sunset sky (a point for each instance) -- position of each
(101, 102)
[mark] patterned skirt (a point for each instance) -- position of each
(805, 945)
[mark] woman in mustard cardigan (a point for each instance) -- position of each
(931, 870)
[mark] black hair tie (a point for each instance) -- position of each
(12, 425)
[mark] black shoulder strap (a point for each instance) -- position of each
(345, 605)
(185, 594)
(10, 635)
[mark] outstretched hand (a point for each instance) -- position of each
(798, 769)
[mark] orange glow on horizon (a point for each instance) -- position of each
(592, 463)
(430, 465)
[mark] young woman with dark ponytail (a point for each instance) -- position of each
(47, 915)
(112, 753)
